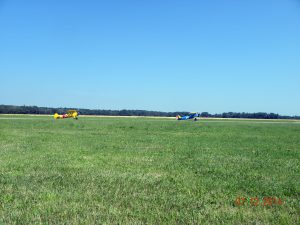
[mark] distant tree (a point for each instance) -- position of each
(205, 114)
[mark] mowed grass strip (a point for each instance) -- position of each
(147, 171)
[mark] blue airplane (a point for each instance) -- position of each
(192, 115)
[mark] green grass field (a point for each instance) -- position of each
(148, 171)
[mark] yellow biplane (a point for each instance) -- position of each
(70, 114)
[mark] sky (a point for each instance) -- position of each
(166, 55)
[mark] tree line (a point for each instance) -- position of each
(257, 115)
(11, 109)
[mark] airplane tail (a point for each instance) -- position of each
(56, 116)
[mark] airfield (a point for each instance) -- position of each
(148, 170)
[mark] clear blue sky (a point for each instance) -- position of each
(169, 55)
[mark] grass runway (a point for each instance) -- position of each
(100, 170)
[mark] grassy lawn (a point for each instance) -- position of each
(148, 171)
